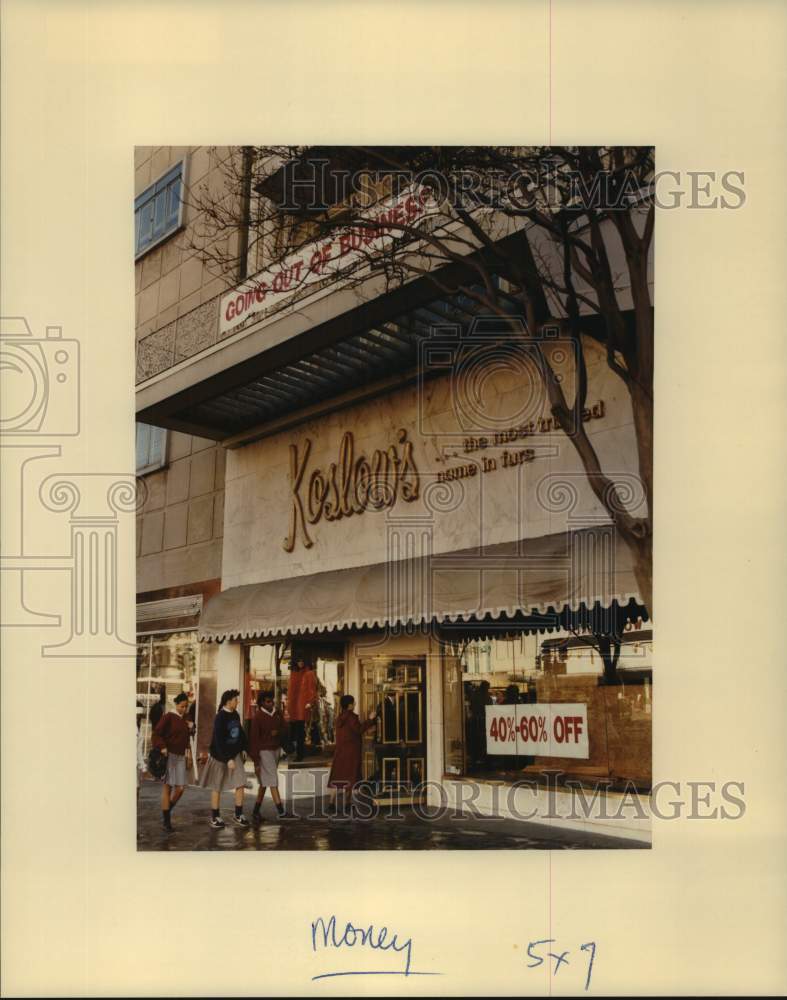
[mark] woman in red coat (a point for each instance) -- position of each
(346, 769)
(301, 695)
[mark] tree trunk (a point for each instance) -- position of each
(640, 542)
(609, 649)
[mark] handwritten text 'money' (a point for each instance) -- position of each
(328, 935)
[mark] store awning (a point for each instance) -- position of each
(540, 584)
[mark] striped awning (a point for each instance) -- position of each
(540, 583)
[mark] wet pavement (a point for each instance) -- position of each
(310, 828)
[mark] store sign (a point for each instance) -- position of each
(549, 730)
(324, 259)
(352, 485)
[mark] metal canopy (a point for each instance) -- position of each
(388, 348)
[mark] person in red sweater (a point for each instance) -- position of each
(346, 768)
(171, 736)
(301, 695)
(267, 736)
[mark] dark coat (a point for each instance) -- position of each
(229, 738)
(172, 734)
(268, 732)
(346, 768)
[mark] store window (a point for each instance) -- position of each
(158, 211)
(269, 666)
(517, 706)
(167, 664)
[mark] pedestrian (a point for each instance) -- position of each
(157, 710)
(171, 737)
(479, 699)
(142, 767)
(268, 736)
(346, 768)
(224, 768)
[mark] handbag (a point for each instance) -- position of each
(157, 763)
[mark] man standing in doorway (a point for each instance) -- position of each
(171, 737)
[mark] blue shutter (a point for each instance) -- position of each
(160, 214)
(151, 448)
(158, 437)
(173, 203)
(143, 445)
(157, 210)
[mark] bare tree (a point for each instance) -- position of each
(567, 213)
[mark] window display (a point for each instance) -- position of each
(579, 704)
(167, 663)
(270, 667)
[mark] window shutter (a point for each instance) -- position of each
(143, 445)
(157, 210)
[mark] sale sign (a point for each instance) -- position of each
(551, 730)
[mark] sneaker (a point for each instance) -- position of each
(217, 823)
(241, 820)
(256, 818)
(166, 826)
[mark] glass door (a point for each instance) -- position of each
(394, 757)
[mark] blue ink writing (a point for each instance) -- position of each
(590, 944)
(559, 958)
(329, 934)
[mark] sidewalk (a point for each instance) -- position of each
(307, 830)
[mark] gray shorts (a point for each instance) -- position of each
(269, 772)
(217, 776)
(176, 770)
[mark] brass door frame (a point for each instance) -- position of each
(403, 750)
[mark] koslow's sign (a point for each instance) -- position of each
(556, 729)
(351, 485)
(324, 259)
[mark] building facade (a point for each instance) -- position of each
(369, 479)
(181, 476)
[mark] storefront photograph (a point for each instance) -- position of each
(394, 454)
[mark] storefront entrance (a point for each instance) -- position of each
(394, 751)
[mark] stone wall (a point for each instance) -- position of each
(177, 294)
(180, 527)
